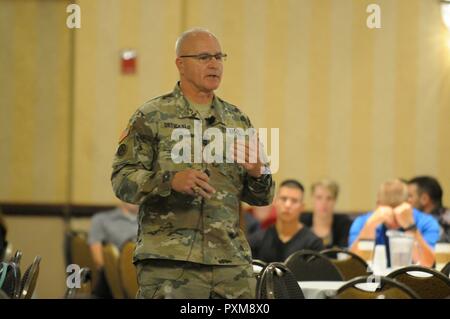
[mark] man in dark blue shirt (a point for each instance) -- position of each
(288, 235)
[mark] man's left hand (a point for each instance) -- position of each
(404, 215)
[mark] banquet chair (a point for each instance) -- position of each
(79, 253)
(309, 265)
(351, 266)
(29, 279)
(10, 279)
(260, 263)
(127, 270)
(260, 266)
(385, 288)
(111, 268)
(17, 257)
(446, 270)
(434, 286)
(85, 289)
(278, 282)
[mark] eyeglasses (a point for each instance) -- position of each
(206, 57)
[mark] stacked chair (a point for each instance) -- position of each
(386, 288)
(127, 271)
(12, 284)
(351, 266)
(278, 282)
(84, 291)
(309, 265)
(427, 283)
(119, 270)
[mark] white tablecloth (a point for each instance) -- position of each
(324, 289)
(320, 289)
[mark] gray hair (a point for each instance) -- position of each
(187, 33)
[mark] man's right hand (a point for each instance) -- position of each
(381, 215)
(193, 182)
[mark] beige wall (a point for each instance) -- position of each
(34, 101)
(353, 104)
(104, 98)
(41, 236)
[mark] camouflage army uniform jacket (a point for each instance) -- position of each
(174, 225)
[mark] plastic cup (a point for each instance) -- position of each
(379, 260)
(400, 248)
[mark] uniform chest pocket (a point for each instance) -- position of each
(175, 155)
(176, 146)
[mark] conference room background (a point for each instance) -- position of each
(354, 104)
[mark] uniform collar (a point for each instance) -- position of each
(184, 110)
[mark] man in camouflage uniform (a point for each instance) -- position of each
(189, 241)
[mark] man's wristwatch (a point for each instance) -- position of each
(411, 228)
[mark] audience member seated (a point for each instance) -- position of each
(116, 227)
(288, 235)
(331, 228)
(394, 212)
(425, 194)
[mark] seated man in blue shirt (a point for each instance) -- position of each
(393, 212)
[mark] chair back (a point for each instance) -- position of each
(111, 268)
(434, 285)
(312, 266)
(10, 279)
(80, 253)
(17, 257)
(258, 269)
(29, 279)
(127, 270)
(351, 266)
(446, 270)
(278, 282)
(375, 287)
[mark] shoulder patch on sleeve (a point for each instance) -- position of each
(124, 134)
(122, 150)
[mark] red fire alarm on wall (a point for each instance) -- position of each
(128, 61)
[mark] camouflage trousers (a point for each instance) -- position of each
(161, 278)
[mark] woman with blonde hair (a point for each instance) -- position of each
(332, 228)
